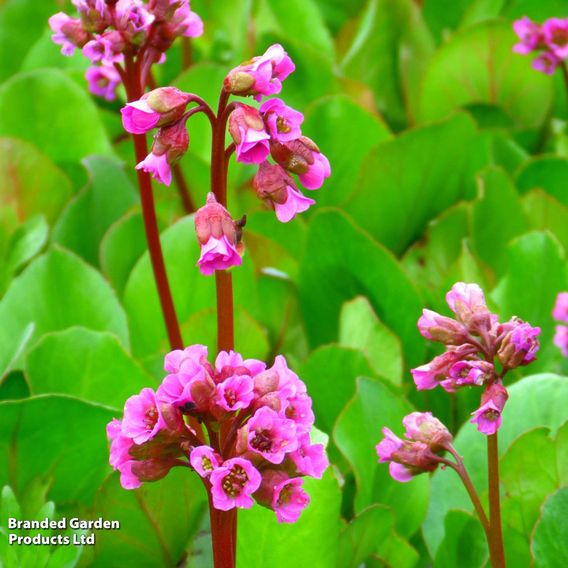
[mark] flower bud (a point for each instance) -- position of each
(302, 157)
(488, 415)
(468, 303)
(151, 470)
(68, 33)
(266, 382)
(519, 344)
(440, 328)
(251, 139)
(423, 427)
(133, 20)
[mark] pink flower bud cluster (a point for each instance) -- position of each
(162, 108)
(107, 31)
(560, 314)
(549, 40)
(426, 439)
(257, 444)
(274, 130)
(479, 351)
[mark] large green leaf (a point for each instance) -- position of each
(107, 196)
(538, 400)
(262, 541)
(90, 365)
(345, 132)
(156, 521)
(342, 262)
(58, 437)
(547, 173)
(62, 119)
(407, 181)
(479, 66)
(356, 434)
(537, 272)
(58, 290)
(546, 213)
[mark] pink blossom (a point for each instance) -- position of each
(468, 303)
(85, 6)
(269, 435)
(229, 361)
(386, 449)
(555, 31)
(263, 75)
(185, 22)
(299, 409)
(529, 33)
(546, 63)
(560, 312)
(295, 203)
(233, 483)
(120, 458)
(247, 129)
(133, 19)
(561, 339)
(423, 427)
(488, 415)
(235, 393)
(309, 459)
(282, 122)
(317, 172)
(105, 48)
(138, 117)
(428, 376)
(204, 460)
(176, 388)
(519, 345)
(218, 254)
(289, 500)
(158, 167)
(103, 81)
(174, 360)
(68, 33)
(142, 417)
(436, 327)
(468, 373)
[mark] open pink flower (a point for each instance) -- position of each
(519, 345)
(228, 363)
(158, 167)
(142, 417)
(488, 415)
(68, 33)
(185, 22)
(431, 374)
(176, 388)
(103, 81)
(386, 450)
(204, 460)
(468, 373)
(247, 129)
(289, 500)
(546, 63)
(175, 359)
(105, 48)
(282, 122)
(530, 35)
(133, 19)
(233, 483)
(309, 459)
(218, 254)
(235, 393)
(138, 117)
(560, 312)
(555, 32)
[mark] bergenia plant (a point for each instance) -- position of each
(242, 426)
(560, 314)
(479, 352)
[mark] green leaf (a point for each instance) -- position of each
(106, 198)
(90, 365)
(329, 373)
(546, 213)
(549, 545)
(342, 262)
(478, 66)
(406, 182)
(464, 545)
(396, 551)
(364, 535)
(56, 291)
(389, 53)
(538, 400)
(547, 173)
(62, 120)
(360, 328)
(537, 272)
(156, 521)
(357, 432)
(71, 452)
(497, 218)
(344, 132)
(262, 541)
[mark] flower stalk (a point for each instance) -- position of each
(496, 541)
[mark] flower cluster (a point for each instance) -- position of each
(257, 444)
(479, 351)
(274, 130)
(560, 314)
(107, 31)
(426, 439)
(549, 40)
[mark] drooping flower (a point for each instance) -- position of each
(103, 81)
(251, 139)
(287, 497)
(423, 427)
(488, 415)
(530, 35)
(233, 483)
(68, 33)
(282, 122)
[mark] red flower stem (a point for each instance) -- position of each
(498, 556)
(224, 535)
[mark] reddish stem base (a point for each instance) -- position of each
(223, 536)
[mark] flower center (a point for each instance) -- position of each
(151, 417)
(234, 481)
(262, 441)
(230, 397)
(282, 125)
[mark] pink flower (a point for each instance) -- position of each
(282, 122)
(174, 360)
(276, 188)
(546, 63)
(133, 20)
(176, 388)
(103, 81)
(204, 460)
(247, 129)
(519, 345)
(299, 409)
(468, 303)
(86, 6)
(185, 22)
(161, 107)
(234, 393)
(228, 363)
(68, 33)
(289, 500)
(120, 458)
(488, 415)
(269, 435)
(432, 325)
(530, 35)
(468, 373)
(263, 75)
(233, 483)
(555, 31)
(105, 48)
(302, 157)
(219, 237)
(158, 167)
(423, 427)
(309, 459)
(430, 375)
(142, 417)
(560, 312)
(386, 450)
(561, 339)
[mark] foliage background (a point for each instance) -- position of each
(450, 161)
